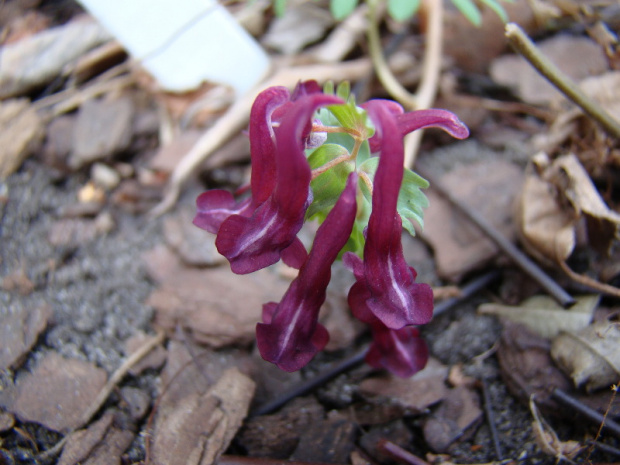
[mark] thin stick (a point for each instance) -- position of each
(116, 377)
(524, 46)
(309, 385)
(522, 260)
(587, 412)
(431, 70)
(488, 410)
(399, 454)
(385, 75)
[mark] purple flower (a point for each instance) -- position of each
(384, 278)
(290, 334)
(401, 351)
(256, 233)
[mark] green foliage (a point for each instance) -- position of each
(342, 8)
(411, 199)
(402, 10)
(327, 186)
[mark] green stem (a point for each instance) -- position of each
(388, 80)
(524, 46)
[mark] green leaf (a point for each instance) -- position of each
(402, 10)
(411, 200)
(497, 8)
(279, 6)
(342, 8)
(327, 186)
(469, 10)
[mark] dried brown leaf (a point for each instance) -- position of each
(19, 331)
(590, 356)
(489, 188)
(544, 316)
(57, 392)
(21, 133)
(201, 427)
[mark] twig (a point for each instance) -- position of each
(467, 291)
(588, 281)
(116, 377)
(238, 460)
(488, 410)
(385, 75)
(592, 415)
(311, 384)
(431, 69)
(527, 265)
(399, 454)
(524, 46)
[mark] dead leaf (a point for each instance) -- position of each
(57, 392)
(193, 245)
(545, 229)
(577, 57)
(575, 185)
(38, 59)
(456, 416)
(489, 188)
(103, 128)
(329, 440)
(21, 133)
(19, 331)
(201, 427)
(527, 367)
(413, 395)
(544, 316)
(590, 356)
(201, 300)
(155, 358)
(81, 443)
(548, 440)
(301, 24)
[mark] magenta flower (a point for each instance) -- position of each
(290, 334)
(401, 351)
(291, 145)
(393, 296)
(256, 233)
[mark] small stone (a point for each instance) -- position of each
(7, 420)
(91, 193)
(137, 401)
(104, 176)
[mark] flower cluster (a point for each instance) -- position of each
(318, 155)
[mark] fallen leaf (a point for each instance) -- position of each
(544, 316)
(193, 245)
(456, 416)
(200, 300)
(103, 128)
(57, 392)
(545, 229)
(329, 440)
(459, 246)
(575, 185)
(414, 394)
(201, 427)
(36, 60)
(300, 25)
(590, 356)
(81, 443)
(577, 57)
(527, 367)
(153, 360)
(20, 328)
(277, 435)
(21, 133)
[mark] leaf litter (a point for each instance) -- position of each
(65, 263)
